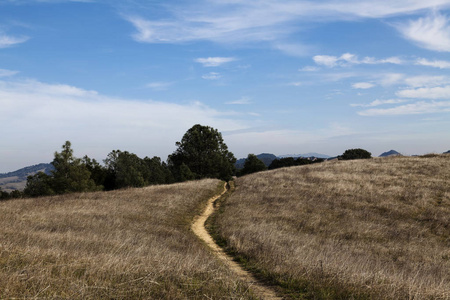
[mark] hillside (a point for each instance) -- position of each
(390, 153)
(366, 229)
(17, 180)
(266, 158)
(126, 244)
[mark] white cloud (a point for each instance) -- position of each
(363, 85)
(94, 123)
(7, 73)
(159, 85)
(426, 93)
(380, 102)
(431, 32)
(266, 21)
(347, 59)
(391, 79)
(426, 81)
(326, 60)
(441, 64)
(8, 41)
(214, 61)
(212, 76)
(309, 69)
(242, 101)
(409, 109)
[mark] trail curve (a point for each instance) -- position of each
(198, 227)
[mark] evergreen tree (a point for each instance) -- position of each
(252, 165)
(204, 152)
(70, 174)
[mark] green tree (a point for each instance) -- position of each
(70, 174)
(204, 152)
(252, 165)
(98, 172)
(39, 184)
(355, 154)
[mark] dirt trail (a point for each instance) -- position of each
(198, 227)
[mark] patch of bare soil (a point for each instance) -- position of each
(198, 227)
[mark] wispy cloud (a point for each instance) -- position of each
(379, 102)
(214, 61)
(426, 81)
(212, 76)
(260, 21)
(159, 85)
(112, 123)
(441, 64)
(426, 93)
(409, 109)
(8, 41)
(7, 73)
(363, 85)
(431, 32)
(347, 59)
(241, 101)
(309, 69)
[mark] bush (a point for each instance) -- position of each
(355, 154)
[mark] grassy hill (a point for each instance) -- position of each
(126, 244)
(366, 229)
(17, 180)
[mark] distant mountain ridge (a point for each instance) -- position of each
(268, 158)
(311, 154)
(17, 180)
(390, 153)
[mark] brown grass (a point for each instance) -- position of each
(367, 229)
(127, 244)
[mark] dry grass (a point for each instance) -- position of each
(368, 229)
(127, 244)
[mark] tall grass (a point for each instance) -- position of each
(126, 244)
(367, 229)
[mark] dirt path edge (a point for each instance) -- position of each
(198, 227)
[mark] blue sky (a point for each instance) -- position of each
(282, 77)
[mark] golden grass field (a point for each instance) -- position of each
(126, 244)
(365, 229)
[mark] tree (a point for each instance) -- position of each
(355, 154)
(39, 184)
(70, 174)
(204, 152)
(252, 165)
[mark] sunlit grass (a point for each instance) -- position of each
(126, 244)
(367, 229)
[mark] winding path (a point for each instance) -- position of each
(198, 227)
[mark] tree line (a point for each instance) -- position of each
(201, 153)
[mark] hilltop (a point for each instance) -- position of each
(390, 153)
(16, 180)
(357, 229)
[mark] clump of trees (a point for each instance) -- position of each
(357, 153)
(290, 162)
(201, 153)
(252, 165)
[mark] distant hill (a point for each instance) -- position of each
(448, 152)
(17, 180)
(266, 158)
(311, 154)
(390, 153)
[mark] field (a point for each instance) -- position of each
(126, 244)
(367, 229)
